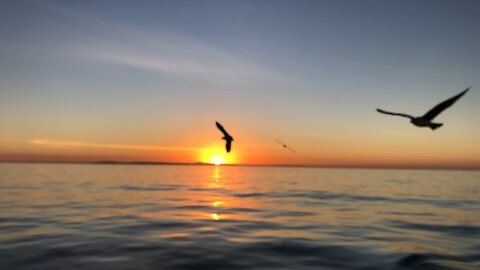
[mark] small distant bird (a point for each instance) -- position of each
(226, 137)
(426, 119)
(285, 146)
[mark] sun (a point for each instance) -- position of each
(217, 160)
(216, 155)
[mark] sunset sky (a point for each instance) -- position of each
(146, 81)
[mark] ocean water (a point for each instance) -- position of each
(229, 217)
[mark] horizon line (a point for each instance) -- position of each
(198, 163)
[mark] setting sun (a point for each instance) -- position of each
(217, 160)
(217, 156)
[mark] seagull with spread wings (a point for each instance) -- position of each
(426, 119)
(226, 137)
(285, 146)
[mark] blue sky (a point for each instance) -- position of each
(311, 72)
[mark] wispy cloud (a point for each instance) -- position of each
(201, 69)
(58, 144)
(161, 51)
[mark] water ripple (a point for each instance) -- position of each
(201, 217)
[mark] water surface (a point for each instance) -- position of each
(227, 217)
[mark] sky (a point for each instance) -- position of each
(146, 80)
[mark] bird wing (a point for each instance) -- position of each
(444, 105)
(220, 127)
(280, 142)
(284, 145)
(397, 114)
(293, 151)
(228, 145)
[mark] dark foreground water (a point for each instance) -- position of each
(207, 217)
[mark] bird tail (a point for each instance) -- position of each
(434, 126)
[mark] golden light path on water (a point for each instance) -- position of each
(216, 179)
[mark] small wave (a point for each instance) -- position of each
(436, 261)
(455, 230)
(143, 227)
(19, 187)
(248, 195)
(207, 189)
(150, 188)
(330, 196)
(285, 213)
(397, 213)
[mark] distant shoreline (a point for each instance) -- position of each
(160, 163)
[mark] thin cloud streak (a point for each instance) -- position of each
(57, 144)
(161, 51)
(156, 63)
(176, 57)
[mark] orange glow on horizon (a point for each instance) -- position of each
(339, 151)
(217, 156)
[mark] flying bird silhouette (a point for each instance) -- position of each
(426, 119)
(226, 137)
(285, 146)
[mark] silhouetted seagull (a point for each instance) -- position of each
(285, 146)
(226, 137)
(426, 120)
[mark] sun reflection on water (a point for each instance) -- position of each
(216, 174)
(217, 203)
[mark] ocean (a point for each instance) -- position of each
(232, 217)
